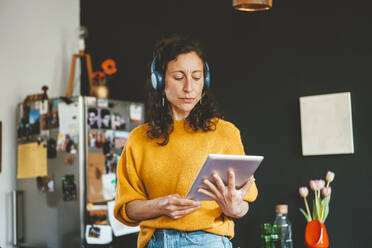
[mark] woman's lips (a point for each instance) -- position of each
(187, 100)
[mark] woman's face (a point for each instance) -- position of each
(184, 81)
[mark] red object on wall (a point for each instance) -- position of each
(316, 235)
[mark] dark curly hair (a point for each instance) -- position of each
(203, 116)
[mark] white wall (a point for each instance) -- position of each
(37, 40)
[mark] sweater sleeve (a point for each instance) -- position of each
(238, 149)
(129, 185)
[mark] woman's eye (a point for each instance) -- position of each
(197, 78)
(179, 78)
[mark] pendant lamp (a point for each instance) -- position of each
(252, 5)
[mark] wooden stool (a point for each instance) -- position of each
(72, 71)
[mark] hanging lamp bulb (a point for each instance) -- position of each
(252, 5)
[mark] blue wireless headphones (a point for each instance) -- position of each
(157, 78)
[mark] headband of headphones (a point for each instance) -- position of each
(157, 78)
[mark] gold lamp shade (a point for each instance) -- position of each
(252, 5)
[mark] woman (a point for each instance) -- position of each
(161, 158)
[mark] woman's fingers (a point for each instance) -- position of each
(180, 213)
(172, 208)
(212, 188)
(244, 189)
(207, 193)
(230, 180)
(179, 207)
(179, 201)
(219, 183)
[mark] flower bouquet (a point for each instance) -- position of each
(101, 78)
(316, 235)
(108, 69)
(320, 206)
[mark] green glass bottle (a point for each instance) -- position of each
(275, 236)
(266, 238)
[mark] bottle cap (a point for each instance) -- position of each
(281, 209)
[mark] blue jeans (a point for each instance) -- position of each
(170, 238)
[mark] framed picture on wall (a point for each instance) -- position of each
(326, 124)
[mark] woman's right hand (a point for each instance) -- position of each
(174, 206)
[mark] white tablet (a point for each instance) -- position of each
(243, 165)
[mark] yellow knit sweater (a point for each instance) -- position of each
(147, 170)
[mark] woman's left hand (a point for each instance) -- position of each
(228, 197)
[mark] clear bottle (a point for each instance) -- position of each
(285, 225)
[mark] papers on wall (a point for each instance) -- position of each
(32, 161)
(109, 186)
(68, 115)
(98, 234)
(95, 170)
(135, 113)
(118, 228)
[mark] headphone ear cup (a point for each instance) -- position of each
(154, 82)
(207, 79)
(160, 80)
(156, 77)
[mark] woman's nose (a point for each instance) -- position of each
(187, 87)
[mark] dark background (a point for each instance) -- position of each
(261, 63)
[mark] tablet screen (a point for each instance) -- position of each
(243, 165)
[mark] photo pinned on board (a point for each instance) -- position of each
(111, 161)
(52, 116)
(108, 141)
(66, 144)
(69, 188)
(34, 121)
(52, 148)
(105, 118)
(109, 135)
(99, 139)
(44, 121)
(94, 232)
(117, 121)
(49, 115)
(120, 138)
(69, 159)
(43, 107)
(92, 137)
(70, 145)
(135, 113)
(93, 118)
(45, 184)
(24, 126)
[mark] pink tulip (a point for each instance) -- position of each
(317, 184)
(330, 176)
(326, 191)
(313, 185)
(303, 191)
(321, 184)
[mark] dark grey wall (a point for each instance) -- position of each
(261, 63)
